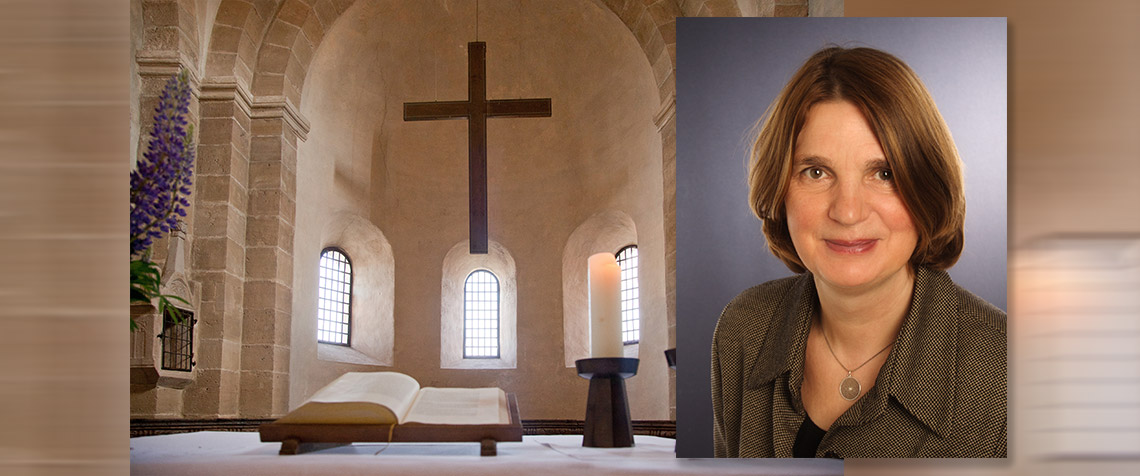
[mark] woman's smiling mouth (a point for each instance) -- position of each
(851, 247)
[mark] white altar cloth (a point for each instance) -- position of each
(221, 452)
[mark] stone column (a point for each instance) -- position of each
(218, 249)
(656, 30)
(667, 127)
(168, 45)
(155, 69)
(269, 259)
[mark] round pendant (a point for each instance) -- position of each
(849, 388)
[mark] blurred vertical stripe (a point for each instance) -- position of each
(1074, 169)
(64, 89)
(1079, 299)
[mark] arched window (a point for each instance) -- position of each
(481, 315)
(630, 317)
(334, 298)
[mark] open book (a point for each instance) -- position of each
(392, 397)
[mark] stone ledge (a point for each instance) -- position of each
(348, 355)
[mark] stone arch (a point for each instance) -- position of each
(293, 34)
(261, 44)
(373, 290)
(267, 46)
(655, 28)
(236, 36)
(459, 263)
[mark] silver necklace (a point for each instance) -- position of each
(849, 387)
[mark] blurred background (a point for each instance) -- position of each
(1074, 236)
(1074, 225)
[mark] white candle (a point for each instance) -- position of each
(605, 306)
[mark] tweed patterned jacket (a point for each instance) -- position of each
(940, 394)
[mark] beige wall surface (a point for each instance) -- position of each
(599, 151)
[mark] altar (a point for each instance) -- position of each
(222, 452)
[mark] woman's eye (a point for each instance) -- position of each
(814, 173)
(885, 175)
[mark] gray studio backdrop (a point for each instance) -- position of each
(728, 71)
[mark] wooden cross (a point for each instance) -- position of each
(476, 109)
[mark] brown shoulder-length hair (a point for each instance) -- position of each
(917, 144)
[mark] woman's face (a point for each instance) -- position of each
(846, 219)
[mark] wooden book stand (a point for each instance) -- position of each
(299, 438)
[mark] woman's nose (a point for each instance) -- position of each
(848, 204)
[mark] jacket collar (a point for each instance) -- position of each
(783, 348)
(915, 374)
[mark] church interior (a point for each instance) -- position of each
(304, 159)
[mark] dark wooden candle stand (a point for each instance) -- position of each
(607, 408)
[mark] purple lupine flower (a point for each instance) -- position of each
(161, 182)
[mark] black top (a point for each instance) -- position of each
(807, 439)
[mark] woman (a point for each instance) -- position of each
(872, 351)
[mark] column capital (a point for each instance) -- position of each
(267, 107)
(160, 63)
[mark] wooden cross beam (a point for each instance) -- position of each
(476, 109)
